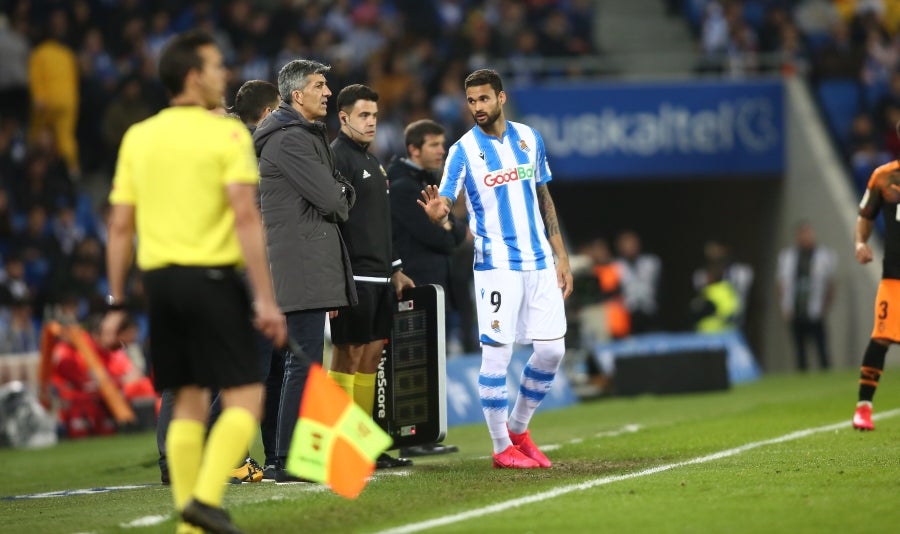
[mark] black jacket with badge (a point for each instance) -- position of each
(303, 198)
(425, 247)
(367, 230)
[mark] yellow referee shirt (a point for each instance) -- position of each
(173, 168)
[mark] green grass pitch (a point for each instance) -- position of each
(836, 480)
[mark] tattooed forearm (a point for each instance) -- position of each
(548, 210)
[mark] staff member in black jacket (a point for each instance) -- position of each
(358, 333)
(302, 198)
(426, 248)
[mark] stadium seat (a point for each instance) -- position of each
(754, 13)
(84, 214)
(840, 101)
(874, 92)
(817, 41)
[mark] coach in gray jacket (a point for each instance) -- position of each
(302, 198)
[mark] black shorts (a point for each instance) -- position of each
(370, 320)
(201, 332)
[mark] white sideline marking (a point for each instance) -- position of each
(146, 521)
(393, 473)
(627, 429)
(543, 496)
(69, 493)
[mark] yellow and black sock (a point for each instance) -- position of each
(228, 442)
(364, 391)
(344, 380)
(184, 449)
(870, 372)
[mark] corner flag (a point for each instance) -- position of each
(335, 441)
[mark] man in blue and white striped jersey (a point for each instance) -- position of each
(503, 167)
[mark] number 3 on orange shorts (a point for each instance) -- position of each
(887, 302)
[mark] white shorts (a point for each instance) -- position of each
(519, 306)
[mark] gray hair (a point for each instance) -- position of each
(294, 76)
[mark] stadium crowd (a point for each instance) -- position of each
(75, 75)
(848, 49)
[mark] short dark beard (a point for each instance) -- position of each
(491, 119)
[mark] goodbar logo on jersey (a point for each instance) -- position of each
(510, 174)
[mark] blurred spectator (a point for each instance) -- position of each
(449, 105)
(83, 411)
(556, 36)
(770, 33)
(837, 55)
(887, 132)
(794, 57)
(36, 189)
(805, 275)
(126, 108)
(96, 62)
(424, 247)
(53, 84)
(6, 223)
(603, 315)
(890, 98)
(640, 273)
(865, 157)
(718, 266)
(12, 151)
(37, 247)
(160, 32)
(67, 231)
(742, 47)
(716, 307)
(714, 37)
(581, 26)
(14, 50)
(816, 17)
(19, 333)
(865, 150)
(525, 59)
(882, 55)
(12, 280)
(292, 47)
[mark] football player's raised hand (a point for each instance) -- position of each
(437, 207)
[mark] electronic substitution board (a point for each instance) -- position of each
(410, 387)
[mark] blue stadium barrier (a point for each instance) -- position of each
(463, 402)
(640, 130)
(742, 367)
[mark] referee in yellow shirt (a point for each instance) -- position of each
(185, 184)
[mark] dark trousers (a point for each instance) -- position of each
(803, 330)
(270, 365)
(307, 328)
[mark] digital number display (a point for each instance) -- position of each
(410, 353)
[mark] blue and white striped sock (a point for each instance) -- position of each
(537, 377)
(493, 394)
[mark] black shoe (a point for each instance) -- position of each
(164, 477)
(428, 449)
(385, 461)
(282, 476)
(269, 473)
(209, 518)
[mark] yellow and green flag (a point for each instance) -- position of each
(335, 441)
